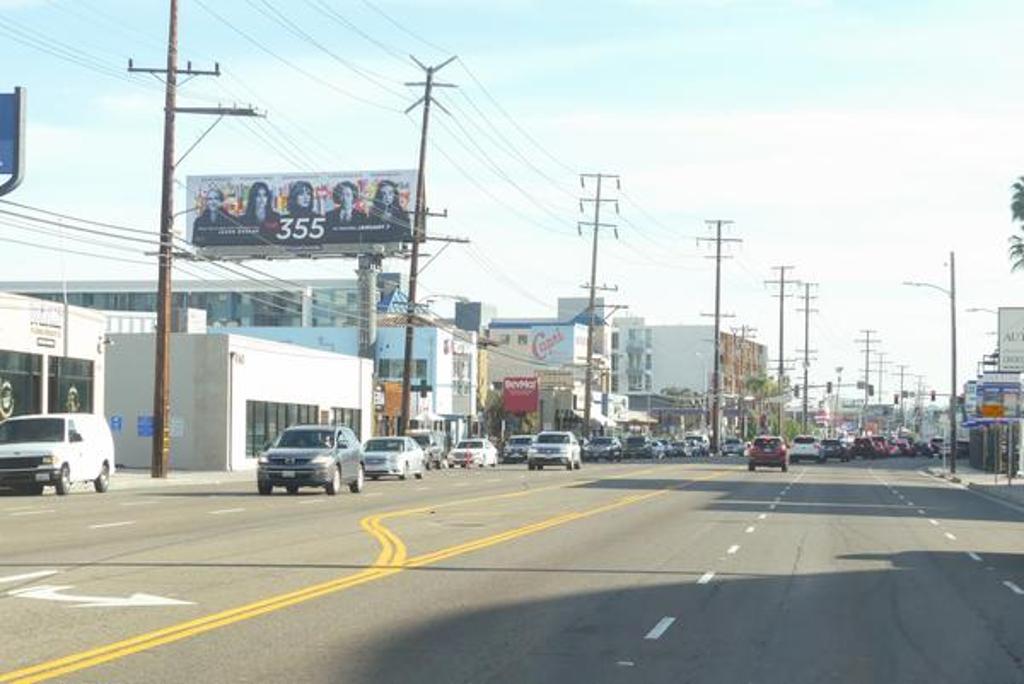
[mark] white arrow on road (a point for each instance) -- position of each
(52, 593)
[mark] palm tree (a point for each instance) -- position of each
(1017, 214)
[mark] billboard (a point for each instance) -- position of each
(1011, 339)
(520, 395)
(553, 343)
(300, 214)
(8, 131)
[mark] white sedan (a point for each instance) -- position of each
(474, 452)
(399, 456)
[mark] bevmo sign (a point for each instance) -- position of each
(520, 395)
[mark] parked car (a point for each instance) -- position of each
(660, 448)
(433, 444)
(833, 448)
(805, 447)
(903, 446)
(733, 446)
(397, 456)
(477, 451)
(555, 448)
(937, 444)
(768, 451)
(882, 448)
(516, 448)
(699, 445)
(677, 448)
(923, 449)
(637, 446)
(603, 447)
(311, 456)
(55, 449)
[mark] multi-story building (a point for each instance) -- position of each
(229, 303)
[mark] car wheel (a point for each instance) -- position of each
(419, 474)
(529, 466)
(334, 486)
(264, 488)
(357, 484)
(64, 481)
(292, 489)
(427, 465)
(102, 481)
(750, 467)
(405, 471)
(375, 477)
(785, 468)
(540, 466)
(568, 464)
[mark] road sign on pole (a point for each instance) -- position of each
(12, 139)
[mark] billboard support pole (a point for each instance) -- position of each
(419, 230)
(160, 460)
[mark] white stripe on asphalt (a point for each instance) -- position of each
(227, 510)
(950, 536)
(139, 503)
(101, 526)
(706, 577)
(762, 516)
(374, 494)
(43, 510)
(27, 576)
(933, 521)
(733, 549)
(974, 556)
(749, 529)
(1013, 587)
(910, 503)
(422, 489)
(660, 628)
(920, 511)
(310, 501)
(772, 507)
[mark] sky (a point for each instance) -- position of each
(858, 141)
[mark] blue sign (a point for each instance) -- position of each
(116, 424)
(144, 426)
(8, 131)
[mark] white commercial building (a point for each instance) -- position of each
(229, 395)
(51, 357)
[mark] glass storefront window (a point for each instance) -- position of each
(20, 376)
(264, 419)
(71, 385)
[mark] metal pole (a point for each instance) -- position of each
(953, 393)
(160, 457)
(716, 406)
(807, 347)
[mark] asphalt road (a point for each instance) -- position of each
(668, 572)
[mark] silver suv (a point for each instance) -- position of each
(312, 456)
(433, 444)
(555, 448)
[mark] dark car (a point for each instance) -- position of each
(863, 447)
(904, 447)
(312, 456)
(602, 447)
(833, 448)
(937, 444)
(922, 448)
(516, 449)
(677, 448)
(637, 446)
(768, 451)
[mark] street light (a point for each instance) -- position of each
(951, 293)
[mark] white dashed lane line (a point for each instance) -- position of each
(750, 529)
(933, 521)
(733, 549)
(1013, 587)
(706, 577)
(950, 536)
(38, 512)
(311, 501)
(974, 556)
(660, 628)
(102, 526)
(762, 516)
(224, 511)
(920, 511)
(27, 576)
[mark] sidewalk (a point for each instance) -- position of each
(138, 478)
(984, 483)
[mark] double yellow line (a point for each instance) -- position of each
(392, 559)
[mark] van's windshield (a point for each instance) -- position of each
(32, 430)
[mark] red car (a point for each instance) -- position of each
(768, 451)
(881, 447)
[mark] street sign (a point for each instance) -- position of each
(12, 139)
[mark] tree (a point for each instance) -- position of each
(1017, 214)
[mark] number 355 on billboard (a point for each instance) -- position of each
(300, 214)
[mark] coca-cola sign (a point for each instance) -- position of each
(521, 395)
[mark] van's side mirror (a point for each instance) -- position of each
(75, 436)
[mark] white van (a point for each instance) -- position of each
(56, 450)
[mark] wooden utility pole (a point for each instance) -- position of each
(807, 351)
(597, 201)
(782, 282)
(419, 230)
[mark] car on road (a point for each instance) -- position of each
(903, 446)
(677, 448)
(882, 448)
(555, 448)
(433, 444)
(603, 447)
(833, 448)
(699, 445)
(637, 446)
(516, 448)
(660, 448)
(733, 446)
(325, 456)
(393, 456)
(768, 451)
(476, 451)
(805, 447)
(937, 445)
(55, 449)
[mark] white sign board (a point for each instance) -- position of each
(1011, 339)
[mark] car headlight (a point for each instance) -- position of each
(532, 451)
(322, 459)
(50, 459)
(263, 460)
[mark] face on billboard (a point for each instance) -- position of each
(300, 214)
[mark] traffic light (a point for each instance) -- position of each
(895, 400)
(796, 391)
(828, 387)
(933, 395)
(871, 390)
